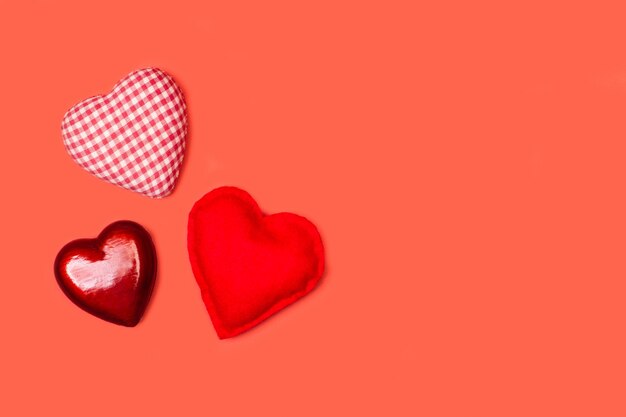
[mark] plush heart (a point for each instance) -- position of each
(112, 275)
(134, 136)
(249, 265)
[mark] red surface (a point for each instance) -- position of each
(111, 276)
(464, 161)
(249, 265)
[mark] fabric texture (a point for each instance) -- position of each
(133, 137)
(249, 265)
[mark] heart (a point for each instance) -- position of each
(111, 276)
(249, 265)
(133, 137)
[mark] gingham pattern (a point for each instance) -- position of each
(134, 136)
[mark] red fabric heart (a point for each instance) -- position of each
(249, 265)
(111, 276)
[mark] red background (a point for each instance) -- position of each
(464, 162)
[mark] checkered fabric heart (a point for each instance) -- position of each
(133, 137)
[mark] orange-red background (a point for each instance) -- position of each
(465, 163)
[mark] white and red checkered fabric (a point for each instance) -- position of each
(134, 136)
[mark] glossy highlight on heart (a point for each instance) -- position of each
(111, 276)
(249, 265)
